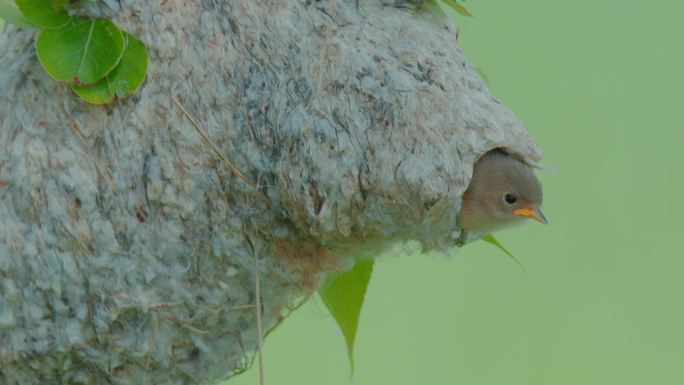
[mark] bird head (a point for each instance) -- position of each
(503, 192)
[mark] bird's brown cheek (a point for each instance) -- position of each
(488, 206)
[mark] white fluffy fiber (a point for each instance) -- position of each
(127, 246)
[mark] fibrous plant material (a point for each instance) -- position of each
(127, 244)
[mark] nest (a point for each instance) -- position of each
(128, 246)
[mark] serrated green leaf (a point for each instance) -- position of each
(10, 13)
(81, 52)
(490, 239)
(343, 295)
(125, 79)
(457, 7)
(45, 13)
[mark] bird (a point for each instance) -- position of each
(503, 192)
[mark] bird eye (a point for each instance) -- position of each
(510, 198)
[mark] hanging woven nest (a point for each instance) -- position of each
(128, 244)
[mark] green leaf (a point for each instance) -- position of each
(125, 79)
(490, 239)
(45, 13)
(11, 14)
(343, 295)
(457, 7)
(82, 52)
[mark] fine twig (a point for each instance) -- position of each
(215, 148)
(103, 171)
(258, 318)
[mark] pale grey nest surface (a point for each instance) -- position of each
(127, 247)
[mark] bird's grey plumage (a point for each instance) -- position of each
(484, 207)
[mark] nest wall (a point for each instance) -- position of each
(128, 248)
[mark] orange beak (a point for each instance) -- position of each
(533, 212)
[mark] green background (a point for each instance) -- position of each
(600, 86)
